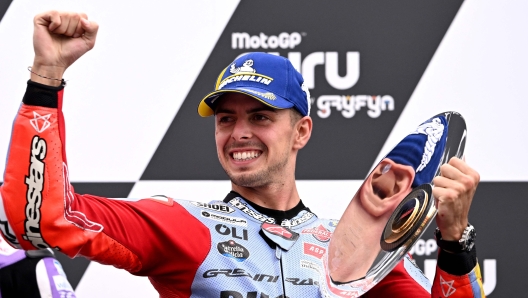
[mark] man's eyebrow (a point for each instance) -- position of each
(250, 111)
(262, 108)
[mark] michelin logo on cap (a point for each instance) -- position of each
(246, 67)
(244, 73)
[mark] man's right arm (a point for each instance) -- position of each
(40, 209)
(38, 206)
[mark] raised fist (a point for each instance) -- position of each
(59, 39)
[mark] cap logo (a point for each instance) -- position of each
(267, 95)
(243, 76)
(434, 131)
(246, 67)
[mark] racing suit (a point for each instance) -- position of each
(231, 248)
(31, 274)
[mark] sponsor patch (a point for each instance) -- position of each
(280, 231)
(238, 272)
(244, 76)
(314, 250)
(231, 249)
(35, 186)
(447, 287)
(233, 232)
(214, 207)
(224, 218)
(282, 236)
(301, 282)
(319, 233)
(40, 123)
(297, 221)
(244, 208)
(267, 95)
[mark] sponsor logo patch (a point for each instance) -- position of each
(231, 249)
(447, 287)
(214, 207)
(314, 250)
(267, 95)
(238, 272)
(282, 236)
(297, 221)
(40, 123)
(244, 76)
(35, 185)
(280, 231)
(233, 232)
(319, 233)
(244, 208)
(301, 282)
(224, 218)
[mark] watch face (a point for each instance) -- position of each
(469, 239)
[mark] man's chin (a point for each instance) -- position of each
(246, 180)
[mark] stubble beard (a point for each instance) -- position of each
(262, 177)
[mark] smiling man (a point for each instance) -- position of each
(260, 241)
(260, 127)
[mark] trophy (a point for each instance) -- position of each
(392, 208)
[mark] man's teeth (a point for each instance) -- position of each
(245, 155)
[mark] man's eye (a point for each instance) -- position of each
(225, 119)
(260, 117)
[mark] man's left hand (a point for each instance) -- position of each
(453, 192)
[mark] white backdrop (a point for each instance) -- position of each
(148, 55)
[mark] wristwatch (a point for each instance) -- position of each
(465, 243)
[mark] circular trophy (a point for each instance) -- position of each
(393, 207)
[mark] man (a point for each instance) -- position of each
(261, 241)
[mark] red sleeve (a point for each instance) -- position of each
(458, 286)
(407, 282)
(43, 210)
(398, 284)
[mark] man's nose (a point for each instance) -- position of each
(241, 130)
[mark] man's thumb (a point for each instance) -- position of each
(90, 30)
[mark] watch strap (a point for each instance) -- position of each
(466, 242)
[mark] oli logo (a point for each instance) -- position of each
(225, 230)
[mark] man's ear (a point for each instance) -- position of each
(303, 132)
(388, 183)
(404, 178)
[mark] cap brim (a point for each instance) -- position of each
(208, 103)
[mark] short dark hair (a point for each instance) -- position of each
(295, 116)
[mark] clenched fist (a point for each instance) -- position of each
(453, 192)
(59, 39)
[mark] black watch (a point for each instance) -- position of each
(465, 243)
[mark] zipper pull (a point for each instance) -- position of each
(278, 252)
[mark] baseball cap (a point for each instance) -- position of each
(269, 78)
(423, 149)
